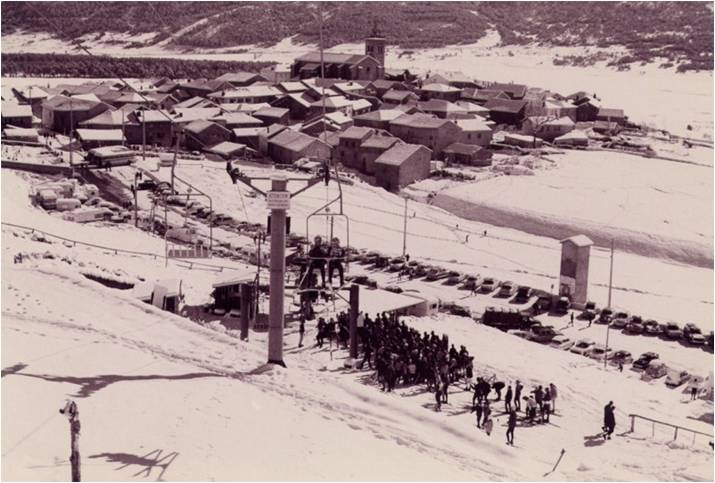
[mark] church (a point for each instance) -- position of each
(369, 66)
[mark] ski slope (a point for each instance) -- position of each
(655, 288)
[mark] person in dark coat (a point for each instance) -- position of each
(337, 254)
(318, 254)
(517, 395)
(609, 420)
(479, 410)
(507, 399)
(301, 331)
(510, 425)
(498, 386)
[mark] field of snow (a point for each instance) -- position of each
(157, 393)
(648, 206)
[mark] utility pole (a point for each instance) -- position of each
(166, 231)
(260, 238)
(70, 133)
(72, 413)
(404, 232)
(144, 136)
(610, 289)
(354, 312)
(278, 202)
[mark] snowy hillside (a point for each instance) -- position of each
(157, 392)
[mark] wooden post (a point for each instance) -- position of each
(653, 433)
(354, 311)
(70, 410)
(245, 309)
(633, 423)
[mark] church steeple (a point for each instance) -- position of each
(375, 46)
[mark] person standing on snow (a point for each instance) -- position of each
(301, 331)
(552, 391)
(507, 399)
(546, 409)
(498, 386)
(517, 396)
(478, 409)
(510, 425)
(609, 420)
(488, 426)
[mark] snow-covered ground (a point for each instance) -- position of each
(647, 206)
(654, 287)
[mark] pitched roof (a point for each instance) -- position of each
(237, 118)
(461, 148)
(197, 127)
(356, 132)
(439, 88)
(472, 107)
(473, 125)
(292, 86)
(226, 148)
(338, 117)
(420, 120)
(10, 109)
(579, 240)
(505, 105)
(381, 142)
(276, 112)
(100, 134)
(109, 118)
(195, 113)
(397, 95)
(153, 115)
(293, 140)
(335, 102)
(195, 101)
(381, 115)
(248, 107)
(359, 104)
(439, 105)
(255, 90)
(237, 77)
(562, 121)
(399, 153)
(512, 90)
(608, 112)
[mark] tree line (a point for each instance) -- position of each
(69, 65)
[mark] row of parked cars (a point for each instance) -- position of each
(689, 333)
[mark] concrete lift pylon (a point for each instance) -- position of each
(278, 199)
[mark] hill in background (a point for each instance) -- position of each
(668, 32)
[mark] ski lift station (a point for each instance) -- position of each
(164, 294)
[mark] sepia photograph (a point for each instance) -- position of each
(357, 241)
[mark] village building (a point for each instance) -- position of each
(443, 109)
(276, 73)
(506, 111)
(159, 130)
(372, 148)
(349, 142)
(482, 96)
(339, 66)
(245, 107)
(573, 139)
(288, 146)
(351, 87)
(201, 134)
(611, 115)
(474, 131)
(251, 94)
(331, 122)
(248, 136)
(232, 120)
(586, 109)
(20, 134)
(555, 108)
(444, 92)
(292, 87)
(522, 140)
(610, 128)
(19, 115)
(331, 104)
(401, 165)
(467, 154)
(32, 95)
(184, 116)
(514, 91)
(63, 114)
(394, 96)
(202, 87)
(241, 79)
(554, 128)
(226, 150)
(97, 138)
(380, 86)
(298, 105)
(473, 109)
(360, 106)
(195, 103)
(272, 115)
(379, 119)
(427, 130)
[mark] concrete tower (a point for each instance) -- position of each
(573, 276)
(375, 47)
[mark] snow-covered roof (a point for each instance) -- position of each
(10, 109)
(234, 277)
(100, 134)
(579, 240)
(375, 301)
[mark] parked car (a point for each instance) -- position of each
(542, 334)
(620, 320)
(673, 331)
(656, 370)
(561, 342)
(644, 360)
(396, 264)
(651, 327)
(695, 338)
(506, 289)
(420, 270)
(147, 184)
(605, 316)
(519, 333)
(436, 273)
(460, 310)
(590, 311)
(582, 346)
(598, 352)
(453, 278)
(368, 258)
(523, 294)
(620, 357)
(676, 378)
(394, 289)
(542, 305)
(488, 285)
(471, 282)
(634, 328)
(562, 306)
